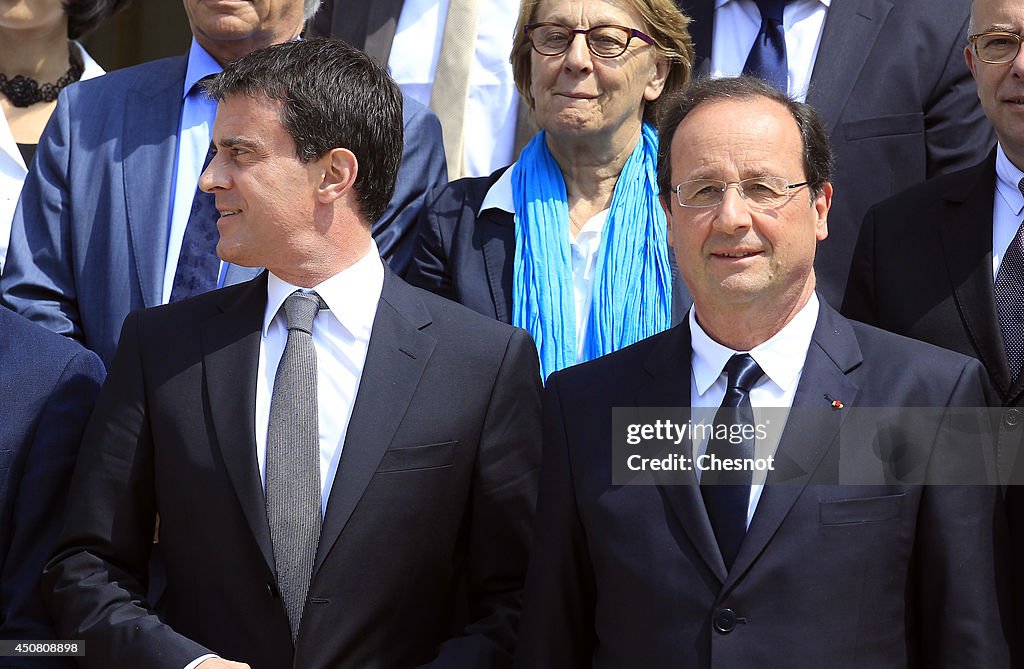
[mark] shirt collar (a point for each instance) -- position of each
(200, 64)
(781, 357)
(499, 195)
(1008, 176)
(351, 294)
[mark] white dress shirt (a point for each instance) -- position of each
(782, 360)
(197, 115)
(13, 169)
(341, 336)
(490, 124)
(737, 23)
(583, 250)
(1006, 208)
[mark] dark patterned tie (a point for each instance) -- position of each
(198, 265)
(767, 58)
(1009, 291)
(727, 493)
(293, 458)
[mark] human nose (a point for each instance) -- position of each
(578, 56)
(734, 211)
(1018, 62)
(212, 177)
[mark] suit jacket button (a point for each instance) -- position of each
(724, 620)
(1012, 417)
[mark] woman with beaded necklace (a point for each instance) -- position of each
(38, 58)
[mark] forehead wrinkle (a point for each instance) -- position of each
(580, 17)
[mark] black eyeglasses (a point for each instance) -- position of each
(996, 48)
(554, 39)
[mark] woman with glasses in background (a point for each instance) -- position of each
(569, 243)
(38, 58)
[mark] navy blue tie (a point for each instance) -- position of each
(727, 493)
(767, 58)
(198, 265)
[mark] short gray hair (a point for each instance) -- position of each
(309, 8)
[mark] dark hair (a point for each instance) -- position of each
(334, 96)
(84, 16)
(817, 152)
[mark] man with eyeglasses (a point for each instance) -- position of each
(670, 561)
(943, 261)
(886, 77)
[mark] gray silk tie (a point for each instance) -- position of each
(450, 90)
(1009, 293)
(293, 458)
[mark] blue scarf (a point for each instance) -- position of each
(633, 279)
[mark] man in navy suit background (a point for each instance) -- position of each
(48, 385)
(790, 571)
(103, 217)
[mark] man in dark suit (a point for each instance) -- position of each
(927, 259)
(786, 571)
(888, 79)
(102, 226)
(407, 423)
(48, 385)
(940, 262)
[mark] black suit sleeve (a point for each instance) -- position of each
(421, 171)
(39, 499)
(557, 630)
(95, 585)
(430, 267)
(962, 557)
(859, 301)
(501, 513)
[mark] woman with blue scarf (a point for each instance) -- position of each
(569, 243)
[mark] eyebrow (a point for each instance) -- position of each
(231, 142)
(1000, 28)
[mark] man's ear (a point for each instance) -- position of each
(666, 206)
(340, 168)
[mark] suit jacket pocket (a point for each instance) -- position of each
(428, 456)
(863, 510)
(883, 126)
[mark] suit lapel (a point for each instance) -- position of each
(851, 28)
(668, 375)
(966, 235)
(231, 346)
(395, 360)
(381, 22)
(495, 233)
(811, 431)
(151, 121)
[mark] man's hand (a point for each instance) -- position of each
(218, 663)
